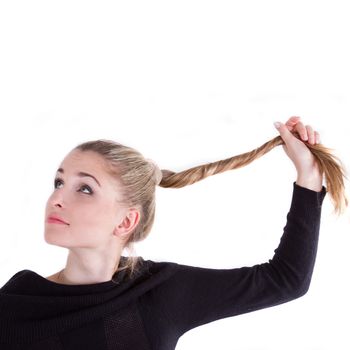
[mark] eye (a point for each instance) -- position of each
(83, 186)
(88, 188)
(56, 181)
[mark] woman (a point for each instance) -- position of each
(103, 201)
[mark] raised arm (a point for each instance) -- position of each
(194, 296)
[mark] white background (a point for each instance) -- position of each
(186, 83)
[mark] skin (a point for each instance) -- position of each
(98, 224)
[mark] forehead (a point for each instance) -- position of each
(91, 163)
(89, 159)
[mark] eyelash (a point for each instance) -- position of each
(86, 186)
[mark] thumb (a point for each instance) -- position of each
(283, 130)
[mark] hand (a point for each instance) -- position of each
(299, 153)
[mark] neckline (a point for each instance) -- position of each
(35, 283)
(72, 285)
(117, 277)
(32, 283)
(81, 284)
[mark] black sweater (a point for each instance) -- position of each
(163, 301)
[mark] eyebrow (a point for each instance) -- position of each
(80, 174)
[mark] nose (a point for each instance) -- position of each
(56, 199)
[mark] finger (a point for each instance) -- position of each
(311, 134)
(291, 122)
(317, 137)
(301, 130)
(284, 132)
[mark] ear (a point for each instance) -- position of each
(128, 223)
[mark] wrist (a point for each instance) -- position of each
(310, 180)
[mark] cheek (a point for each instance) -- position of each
(92, 214)
(93, 222)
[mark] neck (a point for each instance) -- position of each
(88, 268)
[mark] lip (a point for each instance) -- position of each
(56, 220)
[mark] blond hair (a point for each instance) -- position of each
(139, 176)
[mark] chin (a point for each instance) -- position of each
(53, 238)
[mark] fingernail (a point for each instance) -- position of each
(277, 125)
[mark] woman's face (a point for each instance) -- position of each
(89, 206)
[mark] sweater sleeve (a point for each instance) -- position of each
(194, 296)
